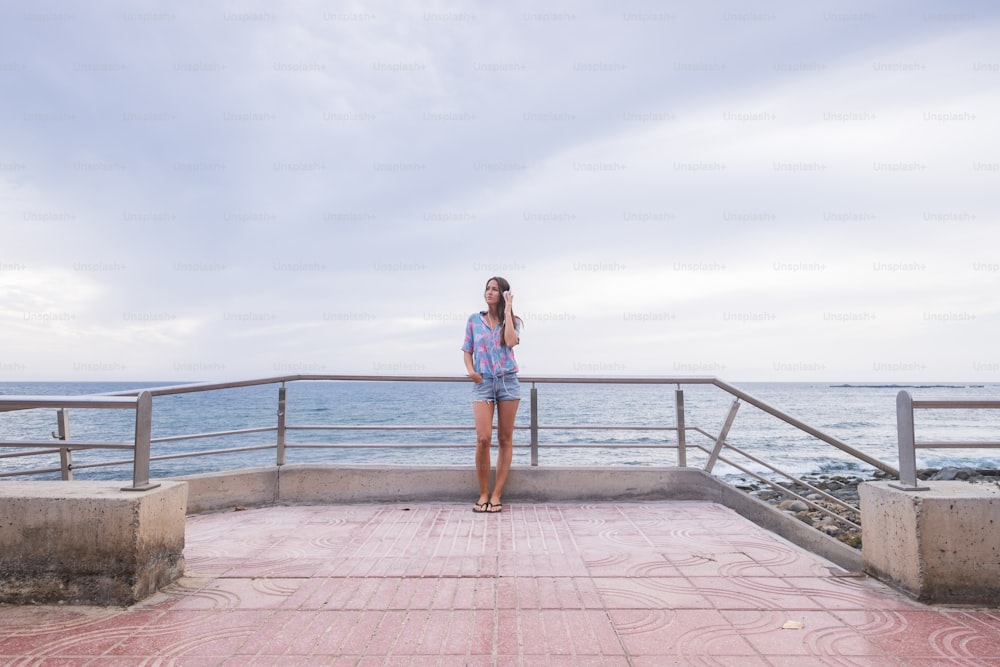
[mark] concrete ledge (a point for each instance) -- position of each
(252, 487)
(346, 484)
(782, 523)
(89, 542)
(940, 545)
(328, 484)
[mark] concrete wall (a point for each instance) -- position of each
(941, 545)
(325, 484)
(89, 542)
(252, 487)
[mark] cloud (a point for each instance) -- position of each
(789, 193)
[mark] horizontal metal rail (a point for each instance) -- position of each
(403, 427)
(228, 450)
(36, 471)
(34, 452)
(282, 379)
(216, 434)
(76, 444)
(956, 405)
(956, 444)
(458, 445)
(906, 433)
(166, 457)
(9, 403)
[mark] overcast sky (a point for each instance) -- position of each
(763, 191)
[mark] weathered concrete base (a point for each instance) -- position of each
(329, 484)
(89, 542)
(942, 545)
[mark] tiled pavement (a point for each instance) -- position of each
(657, 583)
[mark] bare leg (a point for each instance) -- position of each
(506, 414)
(482, 411)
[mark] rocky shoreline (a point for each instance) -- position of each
(845, 489)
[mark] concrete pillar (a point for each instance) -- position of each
(942, 545)
(89, 542)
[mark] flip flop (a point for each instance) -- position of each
(485, 508)
(495, 508)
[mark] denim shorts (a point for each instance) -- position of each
(499, 388)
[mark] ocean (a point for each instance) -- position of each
(860, 415)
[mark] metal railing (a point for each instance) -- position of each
(718, 450)
(906, 434)
(142, 403)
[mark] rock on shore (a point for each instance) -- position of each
(804, 503)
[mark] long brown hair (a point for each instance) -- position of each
(504, 286)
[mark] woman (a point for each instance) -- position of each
(490, 337)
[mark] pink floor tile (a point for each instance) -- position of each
(658, 583)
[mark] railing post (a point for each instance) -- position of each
(65, 453)
(143, 435)
(906, 439)
(721, 440)
(281, 426)
(681, 434)
(534, 425)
